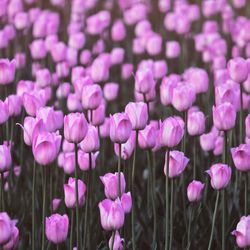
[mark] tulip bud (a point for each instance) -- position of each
(56, 228)
(220, 175)
(171, 131)
(112, 214)
(194, 190)
(91, 141)
(224, 116)
(70, 193)
(241, 157)
(177, 163)
(75, 127)
(120, 128)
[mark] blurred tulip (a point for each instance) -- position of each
(91, 142)
(194, 190)
(241, 157)
(7, 71)
(5, 158)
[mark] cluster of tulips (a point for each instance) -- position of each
(124, 124)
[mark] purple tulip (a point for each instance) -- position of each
(70, 193)
(110, 182)
(220, 175)
(194, 190)
(75, 127)
(177, 163)
(56, 228)
(241, 157)
(111, 214)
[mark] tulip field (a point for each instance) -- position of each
(124, 124)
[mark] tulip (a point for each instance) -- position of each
(126, 201)
(117, 242)
(242, 232)
(241, 157)
(196, 123)
(4, 110)
(58, 52)
(100, 69)
(247, 125)
(144, 80)
(67, 146)
(5, 158)
(57, 228)
(69, 163)
(171, 131)
(77, 40)
(218, 145)
(194, 190)
(14, 104)
(38, 49)
(110, 182)
(104, 128)
(91, 96)
(45, 147)
(6, 228)
(117, 56)
(7, 71)
(70, 193)
(147, 137)
(120, 128)
(12, 243)
(224, 116)
(183, 97)
(238, 69)
(176, 164)
(111, 214)
(91, 141)
(220, 175)
(110, 91)
(118, 31)
(55, 204)
(75, 127)
(97, 116)
(127, 70)
(43, 77)
(83, 160)
(32, 102)
(173, 49)
(127, 148)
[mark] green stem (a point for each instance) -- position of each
(71, 230)
(241, 113)
(171, 214)
(214, 217)
(223, 218)
(44, 204)
(152, 187)
(87, 202)
(112, 240)
(33, 205)
(77, 200)
(119, 170)
(189, 226)
(194, 159)
(246, 192)
(133, 192)
(2, 208)
(167, 202)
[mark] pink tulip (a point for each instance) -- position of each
(173, 49)
(56, 228)
(111, 214)
(144, 80)
(12, 243)
(171, 131)
(127, 70)
(118, 31)
(242, 232)
(4, 112)
(196, 123)
(6, 228)
(62, 69)
(120, 128)
(75, 127)
(218, 145)
(220, 175)
(20, 59)
(68, 163)
(91, 96)
(194, 190)
(32, 102)
(83, 160)
(104, 128)
(70, 193)
(138, 114)
(14, 104)
(147, 137)
(110, 91)
(77, 40)
(110, 182)
(97, 116)
(238, 69)
(241, 157)
(177, 163)
(85, 57)
(126, 201)
(7, 71)
(45, 147)
(73, 103)
(58, 52)
(160, 69)
(55, 204)
(224, 116)
(183, 97)
(118, 242)
(5, 158)
(43, 78)
(91, 142)
(117, 56)
(247, 125)
(38, 49)
(127, 148)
